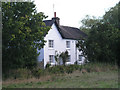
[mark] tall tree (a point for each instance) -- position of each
(111, 16)
(23, 32)
(103, 39)
(88, 22)
(101, 43)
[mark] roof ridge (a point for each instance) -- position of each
(69, 26)
(47, 20)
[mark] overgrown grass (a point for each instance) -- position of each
(75, 80)
(79, 76)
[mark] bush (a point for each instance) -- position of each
(24, 73)
(56, 69)
(75, 62)
(21, 73)
(69, 69)
(47, 65)
(37, 73)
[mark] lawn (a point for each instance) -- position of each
(77, 79)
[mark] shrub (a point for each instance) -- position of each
(56, 69)
(69, 69)
(64, 56)
(48, 65)
(62, 69)
(75, 62)
(21, 73)
(37, 73)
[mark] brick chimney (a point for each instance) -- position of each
(56, 18)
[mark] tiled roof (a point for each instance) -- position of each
(66, 31)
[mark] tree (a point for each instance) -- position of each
(103, 40)
(111, 16)
(57, 57)
(64, 56)
(23, 32)
(81, 45)
(88, 22)
(101, 43)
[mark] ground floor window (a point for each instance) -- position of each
(51, 58)
(69, 58)
(80, 57)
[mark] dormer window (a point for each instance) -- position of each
(67, 44)
(51, 43)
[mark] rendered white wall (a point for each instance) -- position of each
(59, 45)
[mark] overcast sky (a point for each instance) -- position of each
(71, 12)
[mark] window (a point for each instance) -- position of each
(69, 58)
(80, 57)
(51, 58)
(67, 44)
(51, 43)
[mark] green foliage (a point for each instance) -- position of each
(64, 56)
(75, 62)
(102, 44)
(57, 57)
(108, 79)
(37, 73)
(88, 22)
(21, 73)
(47, 65)
(58, 70)
(23, 32)
(112, 16)
(70, 68)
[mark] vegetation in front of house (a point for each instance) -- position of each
(92, 75)
(37, 72)
(74, 80)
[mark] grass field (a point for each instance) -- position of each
(77, 79)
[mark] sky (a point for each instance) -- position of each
(71, 12)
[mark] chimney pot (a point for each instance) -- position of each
(54, 14)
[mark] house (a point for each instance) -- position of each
(59, 39)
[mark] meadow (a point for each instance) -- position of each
(73, 76)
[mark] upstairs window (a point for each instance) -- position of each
(51, 58)
(67, 44)
(51, 43)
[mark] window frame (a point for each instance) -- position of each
(69, 58)
(51, 58)
(80, 59)
(51, 43)
(68, 44)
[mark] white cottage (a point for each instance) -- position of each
(61, 38)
